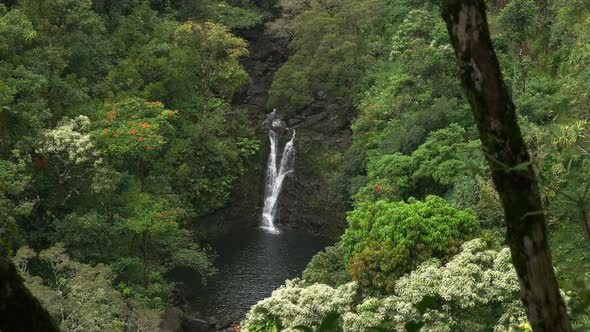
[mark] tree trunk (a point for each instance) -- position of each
(145, 258)
(99, 5)
(509, 161)
(19, 309)
(584, 219)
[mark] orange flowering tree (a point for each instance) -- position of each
(134, 132)
(135, 136)
(135, 129)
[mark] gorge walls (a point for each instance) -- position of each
(323, 133)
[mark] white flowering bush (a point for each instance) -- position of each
(293, 305)
(70, 141)
(477, 290)
(68, 152)
(81, 297)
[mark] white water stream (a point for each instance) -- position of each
(276, 172)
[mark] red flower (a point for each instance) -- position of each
(148, 148)
(378, 187)
(140, 137)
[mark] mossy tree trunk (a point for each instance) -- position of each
(509, 161)
(19, 309)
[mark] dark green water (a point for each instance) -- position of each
(251, 263)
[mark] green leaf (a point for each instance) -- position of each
(414, 326)
(427, 302)
(330, 323)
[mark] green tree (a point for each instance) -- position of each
(219, 73)
(385, 240)
(64, 29)
(326, 267)
(79, 296)
(133, 133)
(23, 111)
(66, 157)
(329, 46)
(519, 19)
(14, 204)
(158, 238)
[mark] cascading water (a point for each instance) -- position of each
(276, 173)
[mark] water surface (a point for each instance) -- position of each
(252, 263)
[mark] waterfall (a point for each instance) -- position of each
(275, 175)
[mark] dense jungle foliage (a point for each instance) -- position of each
(117, 131)
(425, 247)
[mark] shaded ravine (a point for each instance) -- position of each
(267, 53)
(251, 262)
(323, 131)
(313, 203)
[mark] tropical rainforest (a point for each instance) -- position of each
(129, 132)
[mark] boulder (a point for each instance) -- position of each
(172, 321)
(192, 324)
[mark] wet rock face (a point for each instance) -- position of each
(267, 54)
(307, 202)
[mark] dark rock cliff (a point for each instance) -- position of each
(308, 201)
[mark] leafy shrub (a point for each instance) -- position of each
(327, 267)
(87, 237)
(385, 240)
(477, 290)
(81, 297)
(294, 305)
(128, 270)
(447, 155)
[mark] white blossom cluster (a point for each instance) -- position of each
(297, 305)
(478, 281)
(70, 141)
